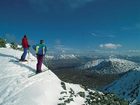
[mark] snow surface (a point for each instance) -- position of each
(19, 85)
(127, 87)
(8, 45)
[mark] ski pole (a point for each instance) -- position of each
(28, 54)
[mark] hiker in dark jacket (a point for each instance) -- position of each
(40, 52)
(25, 46)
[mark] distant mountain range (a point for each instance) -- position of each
(62, 56)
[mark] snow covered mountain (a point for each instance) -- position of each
(127, 87)
(91, 64)
(109, 66)
(62, 56)
(20, 85)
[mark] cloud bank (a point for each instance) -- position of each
(110, 46)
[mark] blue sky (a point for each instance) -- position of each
(74, 24)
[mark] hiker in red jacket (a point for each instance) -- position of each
(25, 46)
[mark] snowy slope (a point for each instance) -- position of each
(19, 85)
(18, 89)
(110, 66)
(127, 87)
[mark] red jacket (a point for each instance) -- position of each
(25, 43)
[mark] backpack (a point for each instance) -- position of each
(40, 49)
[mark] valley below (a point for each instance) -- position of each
(86, 78)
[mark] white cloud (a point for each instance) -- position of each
(110, 46)
(95, 35)
(103, 36)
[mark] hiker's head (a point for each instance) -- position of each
(25, 36)
(41, 41)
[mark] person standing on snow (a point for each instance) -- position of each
(25, 46)
(40, 52)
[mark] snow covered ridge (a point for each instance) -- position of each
(91, 64)
(127, 87)
(63, 56)
(20, 85)
(110, 66)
